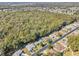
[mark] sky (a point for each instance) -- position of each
(39, 0)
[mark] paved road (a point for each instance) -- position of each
(17, 53)
(46, 46)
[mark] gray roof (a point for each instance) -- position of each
(17, 53)
(30, 46)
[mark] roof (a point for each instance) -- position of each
(30, 46)
(17, 53)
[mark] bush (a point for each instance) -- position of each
(19, 28)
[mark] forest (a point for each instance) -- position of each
(23, 27)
